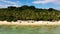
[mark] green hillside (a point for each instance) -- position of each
(29, 13)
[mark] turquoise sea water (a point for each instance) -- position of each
(43, 29)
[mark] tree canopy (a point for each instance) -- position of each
(29, 13)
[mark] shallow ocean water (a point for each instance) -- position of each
(42, 29)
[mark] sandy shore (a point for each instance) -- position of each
(30, 23)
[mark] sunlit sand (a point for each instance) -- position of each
(30, 23)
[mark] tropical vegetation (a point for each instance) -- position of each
(25, 12)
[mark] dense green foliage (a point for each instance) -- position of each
(29, 13)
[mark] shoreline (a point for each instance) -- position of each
(30, 23)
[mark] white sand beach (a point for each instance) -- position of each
(19, 22)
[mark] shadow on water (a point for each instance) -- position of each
(42, 29)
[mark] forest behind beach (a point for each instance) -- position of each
(25, 12)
